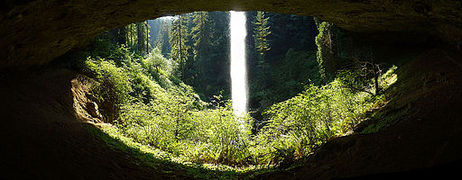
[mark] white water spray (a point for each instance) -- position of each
(239, 89)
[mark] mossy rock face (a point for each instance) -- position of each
(35, 32)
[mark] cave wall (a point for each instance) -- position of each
(34, 32)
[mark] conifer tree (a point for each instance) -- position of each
(163, 40)
(261, 31)
(179, 43)
(201, 33)
(141, 45)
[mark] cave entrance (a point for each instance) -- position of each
(166, 82)
(160, 113)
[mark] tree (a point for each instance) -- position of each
(163, 40)
(261, 31)
(131, 35)
(146, 27)
(201, 33)
(141, 37)
(179, 43)
(208, 68)
(363, 76)
(327, 46)
(201, 43)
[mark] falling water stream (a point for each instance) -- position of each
(239, 88)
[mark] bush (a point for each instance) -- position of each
(114, 82)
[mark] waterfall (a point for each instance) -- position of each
(239, 88)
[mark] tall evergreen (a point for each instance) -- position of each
(146, 33)
(261, 31)
(179, 43)
(131, 35)
(163, 41)
(141, 37)
(201, 33)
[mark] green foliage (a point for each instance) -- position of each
(114, 82)
(142, 29)
(165, 164)
(325, 42)
(178, 127)
(288, 66)
(261, 31)
(157, 109)
(206, 66)
(302, 123)
(224, 137)
(179, 36)
(162, 40)
(201, 34)
(155, 63)
(161, 111)
(293, 73)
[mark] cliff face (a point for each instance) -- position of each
(34, 32)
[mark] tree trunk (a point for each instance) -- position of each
(147, 37)
(140, 43)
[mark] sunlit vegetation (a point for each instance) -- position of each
(299, 125)
(158, 113)
(159, 110)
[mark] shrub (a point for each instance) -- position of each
(114, 81)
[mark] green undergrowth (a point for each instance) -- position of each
(299, 125)
(167, 164)
(163, 120)
(157, 109)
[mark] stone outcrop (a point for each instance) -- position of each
(34, 32)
